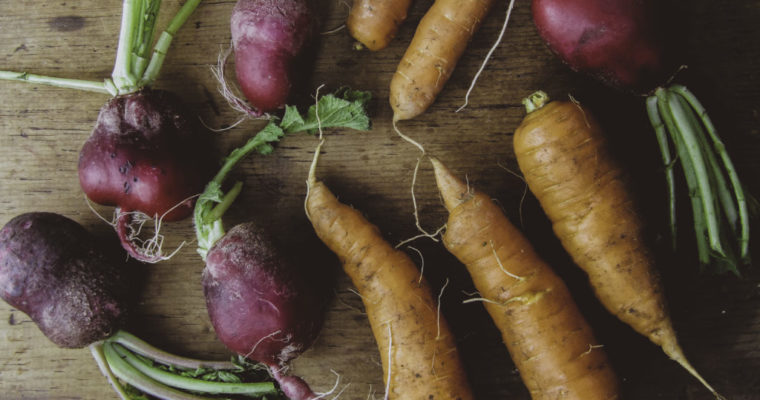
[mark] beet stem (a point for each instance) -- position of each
(144, 38)
(105, 87)
(137, 345)
(122, 74)
(191, 384)
(165, 40)
(727, 164)
(668, 162)
(700, 225)
(97, 353)
(134, 377)
(227, 200)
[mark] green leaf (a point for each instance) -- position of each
(346, 109)
(291, 118)
(134, 393)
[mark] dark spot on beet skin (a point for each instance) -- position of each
(68, 23)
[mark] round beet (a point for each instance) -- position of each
(259, 304)
(145, 154)
(619, 42)
(51, 270)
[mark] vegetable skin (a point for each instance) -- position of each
(619, 42)
(548, 338)
(259, 304)
(564, 158)
(438, 43)
(400, 307)
(146, 153)
(52, 270)
(374, 23)
(268, 37)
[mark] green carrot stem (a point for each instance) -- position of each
(137, 345)
(733, 176)
(694, 152)
(164, 41)
(668, 162)
(131, 375)
(97, 353)
(105, 87)
(192, 384)
(700, 223)
(535, 101)
(122, 74)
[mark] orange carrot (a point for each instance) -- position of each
(564, 157)
(549, 340)
(438, 43)
(419, 356)
(374, 22)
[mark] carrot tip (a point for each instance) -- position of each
(453, 190)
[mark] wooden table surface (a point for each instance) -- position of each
(42, 129)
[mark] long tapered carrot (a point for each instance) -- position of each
(419, 356)
(565, 160)
(549, 340)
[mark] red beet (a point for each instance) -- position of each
(261, 307)
(146, 154)
(619, 42)
(268, 37)
(259, 304)
(51, 269)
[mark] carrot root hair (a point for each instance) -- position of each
(488, 57)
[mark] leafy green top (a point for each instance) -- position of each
(344, 109)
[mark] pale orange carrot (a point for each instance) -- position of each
(419, 356)
(549, 340)
(564, 157)
(438, 43)
(374, 23)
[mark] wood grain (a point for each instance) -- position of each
(42, 129)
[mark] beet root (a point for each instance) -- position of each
(269, 38)
(51, 270)
(259, 304)
(145, 154)
(619, 42)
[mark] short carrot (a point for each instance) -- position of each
(374, 23)
(419, 356)
(564, 158)
(549, 340)
(438, 43)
